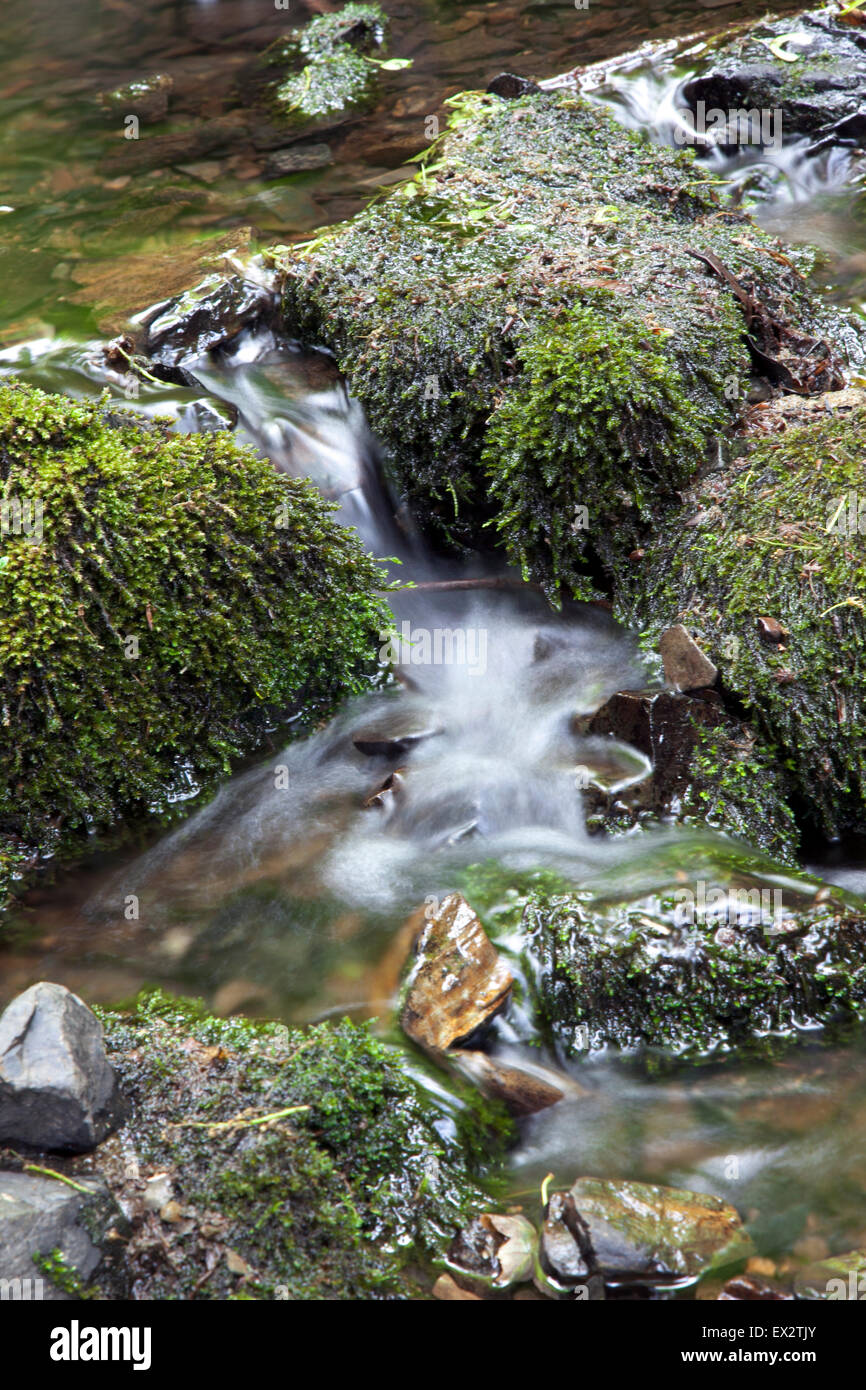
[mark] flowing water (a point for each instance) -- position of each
(283, 896)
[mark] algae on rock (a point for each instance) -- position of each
(165, 599)
(734, 957)
(331, 74)
(358, 1169)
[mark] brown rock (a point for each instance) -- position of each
(459, 982)
(523, 1090)
(686, 666)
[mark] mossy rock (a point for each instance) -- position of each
(530, 336)
(780, 535)
(817, 86)
(329, 73)
(329, 1201)
(733, 958)
(164, 601)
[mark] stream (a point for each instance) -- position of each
(282, 897)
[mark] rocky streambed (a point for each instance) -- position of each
(557, 863)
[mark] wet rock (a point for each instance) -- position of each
(384, 795)
(817, 86)
(57, 1090)
(751, 1288)
(770, 630)
(208, 316)
(509, 86)
(629, 1230)
(561, 1255)
(523, 1088)
(448, 1290)
(394, 734)
(459, 981)
(843, 1277)
(686, 666)
(40, 1216)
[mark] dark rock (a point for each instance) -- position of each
(495, 1251)
(393, 735)
(706, 764)
(40, 1216)
(458, 983)
(57, 1090)
(770, 630)
(821, 93)
(686, 666)
(210, 315)
(509, 86)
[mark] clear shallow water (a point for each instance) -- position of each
(283, 897)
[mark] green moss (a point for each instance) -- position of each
(768, 547)
(62, 1274)
(770, 955)
(176, 598)
(329, 1201)
(528, 333)
(330, 72)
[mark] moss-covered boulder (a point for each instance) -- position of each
(328, 74)
(537, 334)
(164, 600)
(283, 1163)
(728, 958)
(769, 573)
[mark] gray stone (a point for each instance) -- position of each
(57, 1090)
(685, 665)
(42, 1216)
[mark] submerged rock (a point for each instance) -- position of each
(61, 1235)
(458, 983)
(727, 963)
(523, 1088)
(57, 1090)
(842, 1277)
